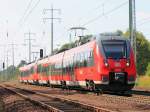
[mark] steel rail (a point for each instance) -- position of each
(91, 108)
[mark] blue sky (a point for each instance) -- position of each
(73, 13)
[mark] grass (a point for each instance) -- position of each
(144, 81)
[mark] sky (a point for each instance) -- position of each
(18, 17)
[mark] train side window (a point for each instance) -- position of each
(39, 68)
(86, 59)
(42, 69)
(32, 70)
(64, 67)
(21, 73)
(91, 59)
(78, 59)
(75, 60)
(47, 70)
(81, 57)
(71, 64)
(24, 73)
(27, 73)
(50, 69)
(67, 67)
(53, 69)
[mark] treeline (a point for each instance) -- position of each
(143, 53)
(143, 56)
(11, 73)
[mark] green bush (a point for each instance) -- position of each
(148, 69)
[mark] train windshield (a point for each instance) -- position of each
(114, 49)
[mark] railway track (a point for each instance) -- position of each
(54, 103)
(141, 92)
(142, 97)
(138, 99)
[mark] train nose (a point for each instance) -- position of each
(117, 66)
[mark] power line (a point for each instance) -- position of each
(146, 21)
(26, 17)
(109, 12)
(99, 6)
(25, 11)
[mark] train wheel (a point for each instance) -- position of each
(90, 85)
(63, 85)
(48, 84)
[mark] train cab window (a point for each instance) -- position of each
(114, 49)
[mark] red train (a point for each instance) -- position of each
(105, 63)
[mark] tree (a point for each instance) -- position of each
(22, 62)
(143, 52)
(148, 69)
(119, 32)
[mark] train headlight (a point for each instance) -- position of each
(106, 64)
(127, 63)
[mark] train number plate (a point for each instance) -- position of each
(119, 76)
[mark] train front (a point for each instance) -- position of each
(118, 70)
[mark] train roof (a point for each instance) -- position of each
(110, 36)
(26, 67)
(84, 47)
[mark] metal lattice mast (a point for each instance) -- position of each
(29, 40)
(52, 18)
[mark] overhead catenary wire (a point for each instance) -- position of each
(26, 10)
(26, 17)
(146, 20)
(99, 6)
(106, 13)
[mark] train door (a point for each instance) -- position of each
(68, 70)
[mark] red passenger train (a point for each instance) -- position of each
(106, 63)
